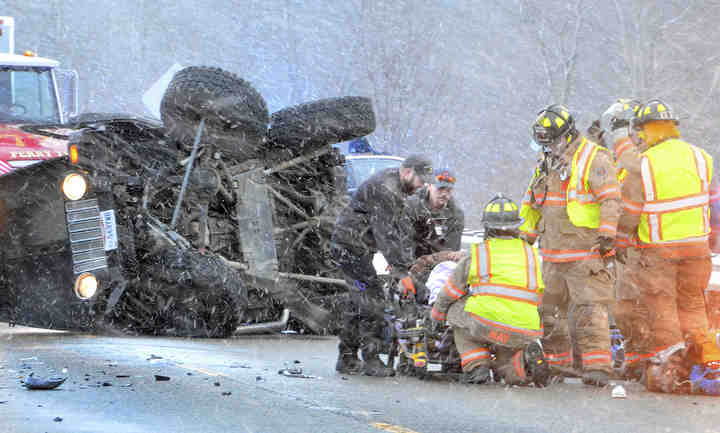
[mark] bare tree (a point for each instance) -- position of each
(395, 55)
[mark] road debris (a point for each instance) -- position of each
(295, 372)
(32, 382)
(161, 378)
(57, 419)
(227, 393)
(216, 383)
(107, 384)
(259, 379)
(122, 376)
(618, 392)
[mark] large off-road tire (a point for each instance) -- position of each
(188, 293)
(236, 115)
(302, 128)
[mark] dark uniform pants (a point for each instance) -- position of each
(577, 296)
(364, 306)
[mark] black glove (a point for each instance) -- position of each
(606, 246)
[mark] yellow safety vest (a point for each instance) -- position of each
(582, 206)
(676, 182)
(505, 281)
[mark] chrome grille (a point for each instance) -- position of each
(90, 266)
(86, 235)
(81, 246)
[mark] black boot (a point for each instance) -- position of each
(536, 365)
(373, 365)
(477, 375)
(348, 361)
(597, 378)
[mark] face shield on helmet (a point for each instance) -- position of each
(615, 121)
(534, 146)
(619, 115)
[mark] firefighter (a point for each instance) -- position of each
(630, 312)
(573, 206)
(491, 302)
(669, 203)
(376, 219)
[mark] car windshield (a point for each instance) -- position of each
(27, 95)
(360, 169)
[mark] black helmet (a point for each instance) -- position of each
(654, 110)
(553, 123)
(501, 214)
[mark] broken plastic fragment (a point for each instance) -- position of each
(619, 392)
(295, 372)
(32, 382)
(161, 378)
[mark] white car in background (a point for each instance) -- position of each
(470, 237)
(360, 167)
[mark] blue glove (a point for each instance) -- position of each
(705, 380)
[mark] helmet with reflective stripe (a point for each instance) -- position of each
(653, 110)
(620, 113)
(553, 123)
(501, 214)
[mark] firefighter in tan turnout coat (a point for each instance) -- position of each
(668, 204)
(491, 302)
(573, 206)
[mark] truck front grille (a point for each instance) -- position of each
(86, 235)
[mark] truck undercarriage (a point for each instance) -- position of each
(214, 223)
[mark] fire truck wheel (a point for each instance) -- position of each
(236, 115)
(303, 128)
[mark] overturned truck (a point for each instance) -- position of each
(215, 222)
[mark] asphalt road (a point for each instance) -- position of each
(233, 386)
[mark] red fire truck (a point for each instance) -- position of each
(30, 93)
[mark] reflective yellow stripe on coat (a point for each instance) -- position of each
(505, 281)
(528, 213)
(583, 208)
(581, 203)
(676, 183)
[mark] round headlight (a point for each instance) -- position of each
(86, 286)
(74, 186)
